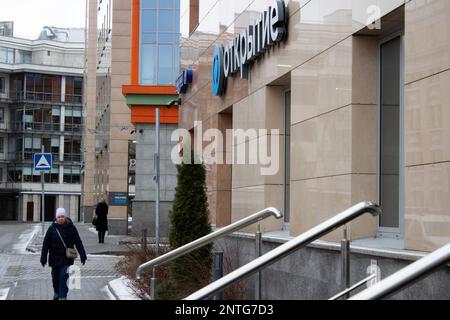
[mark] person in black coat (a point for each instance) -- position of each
(101, 222)
(54, 247)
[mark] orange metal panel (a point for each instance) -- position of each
(147, 114)
(135, 42)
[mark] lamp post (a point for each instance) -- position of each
(157, 179)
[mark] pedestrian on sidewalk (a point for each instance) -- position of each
(102, 220)
(62, 234)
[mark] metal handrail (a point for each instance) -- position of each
(261, 215)
(406, 276)
(354, 287)
(287, 248)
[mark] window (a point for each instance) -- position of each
(1, 175)
(14, 174)
(43, 87)
(7, 55)
(2, 115)
(159, 42)
(2, 147)
(74, 89)
(72, 175)
(72, 119)
(23, 56)
(390, 142)
(72, 150)
(2, 85)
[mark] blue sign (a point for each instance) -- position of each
(118, 199)
(43, 162)
(184, 80)
(218, 76)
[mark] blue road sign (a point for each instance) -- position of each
(43, 161)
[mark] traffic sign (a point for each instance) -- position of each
(43, 162)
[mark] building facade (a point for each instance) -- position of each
(41, 91)
(109, 135)
(154, 70)
(351, 98)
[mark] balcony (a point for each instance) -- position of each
(69, 157)
(34, 126)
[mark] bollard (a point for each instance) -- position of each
(258, 280)
(345, 258)
(218, 271)
(144, 240)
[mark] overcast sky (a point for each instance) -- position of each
(30, 16)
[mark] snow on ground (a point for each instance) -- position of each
(108, 292)
(24, 240)
(121, 289)
(4, 293)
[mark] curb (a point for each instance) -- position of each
(112, 291)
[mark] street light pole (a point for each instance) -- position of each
(42, 197)
(157, 159)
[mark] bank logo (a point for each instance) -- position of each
(218, 78)
(252, 42)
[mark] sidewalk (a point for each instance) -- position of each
(113, 244)
(98, 279)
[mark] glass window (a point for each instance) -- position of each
(54, 176)
(166, 4)
(165, 64)
(149, 37)
(148, 68)
(149, 20)
(2, 115)
(2, 141)
(148, 4)
(389, 153)
(166, 21)
(2, 85)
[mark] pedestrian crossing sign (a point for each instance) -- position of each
(42, 161)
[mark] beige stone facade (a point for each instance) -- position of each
(330, 64)
(110, 130)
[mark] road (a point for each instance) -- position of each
(23, 278)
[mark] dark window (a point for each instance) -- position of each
(2, 147)
(2, 115)
(72, 175)
(74, 89)
(2, 85)
(43, 87)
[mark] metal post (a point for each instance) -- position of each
(157, 183)
(144, 240)
(42, 197)
(218, 271)
(345, 257)
(258, 280)
(153, 286)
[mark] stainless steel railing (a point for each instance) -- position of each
(238, 225)
(406, 276)
(287, 248)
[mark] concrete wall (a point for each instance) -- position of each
(315, 273)
(144, 205)
(144, 218)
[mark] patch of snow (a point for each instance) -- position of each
(121, 289)
(108, 292)
(24, 240)
(4, 293)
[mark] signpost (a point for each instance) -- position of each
(43, 162)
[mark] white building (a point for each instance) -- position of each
(41, 90)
